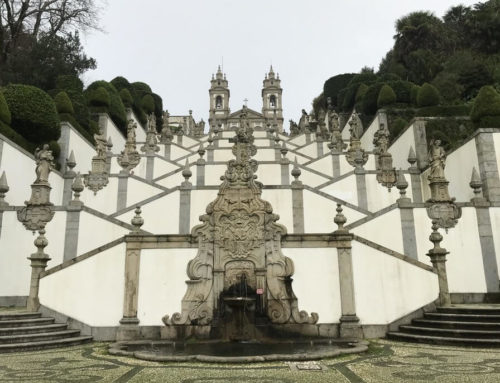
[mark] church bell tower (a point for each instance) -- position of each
(219, 99)
(271, 99)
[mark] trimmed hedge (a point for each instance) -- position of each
(116, 107)
(486, 109)
(369, 102)
(33, 113)
(148, 104)
(73, 86)
(126, 98)
(361, 92)
(386, 96)
(444, 111)
(5, 116)
(397, 127)
(99, 98)
(63, 103)
(15, 137)
(428, 95)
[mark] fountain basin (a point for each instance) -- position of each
(237, 352)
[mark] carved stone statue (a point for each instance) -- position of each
(303, 122)
(166, 132)
(100, 144)
(437, 159)
(130, 152)
(294, 128)
(44, 164)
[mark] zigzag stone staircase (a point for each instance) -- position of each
(20, 331)
(460, 325)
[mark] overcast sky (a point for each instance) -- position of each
(176, 45)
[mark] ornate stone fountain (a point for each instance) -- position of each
(239, 278)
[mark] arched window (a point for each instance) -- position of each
(272, 101)
(218, 102)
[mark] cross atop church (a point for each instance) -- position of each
(245, 101)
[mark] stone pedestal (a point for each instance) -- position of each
(38, 264)
(438, 259)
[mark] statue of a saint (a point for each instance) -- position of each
(131, 131)
(152, 123)
(44, 164)
(437, 159)
(100, 144)
(303, 122)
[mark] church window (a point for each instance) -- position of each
(272, 101)
(218, 102)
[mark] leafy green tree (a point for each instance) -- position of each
(386, 96)
(427, 95)
(148, 104)
(361, 92)
(334, 85)
(5, 116)
(126, 98)
(63, 103)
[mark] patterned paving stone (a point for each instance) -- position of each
(386, 361)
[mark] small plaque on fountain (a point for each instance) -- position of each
(260, 291)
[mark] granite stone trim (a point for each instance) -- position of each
(210, 155)
(184, 211)
(121, 199)
(488, 167)
(67, 192)
(393, 253)
(323, 155)
(71, 235)
(416, 187)
(336, 179)
(346, 279)
(406, 319)
(142, 203)
(13, 301)
(152, 183)
(408, 229)
(361, 189)
(298, 210)
(200, 174)
(110, 218)
(466, 298)
(371, 216)
(1, 220)
(336, 166)
(308, 138)
(63, 142)
(285, 174)
(319, 148)
(150, 164)
(420, 138)
(1, 151)
(338, 200)
(488, 249)
(131, 286)
(167, 151)
(82, 257)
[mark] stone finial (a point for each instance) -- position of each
(296, 171)
(201, 150)
(436, 239)
(70, 164)
(137, 221)
(77, 188)
(401, 184)
(210, 138)
(340, 221)
(4, 188)
(186, 173)
(109, 144)
(284, 149)
(412, 158)
(475, 183)
(124, 162)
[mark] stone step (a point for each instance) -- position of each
(24, 338)
(486, 326)
(43, 345)
(448, 332)
(26, 322)
(442, 340)
(19, 316)
(492, 310)
(463, 317)
(33, 329)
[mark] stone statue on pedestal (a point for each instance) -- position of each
(44, 164)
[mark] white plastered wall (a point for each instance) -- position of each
(458, 171)
(117, 137)
(162, 276)
(105, 200)
(345, 189)
(90, 291)
(495, 228)
(401, 148)
(316, 282)
(281, 201)
(379, 196)
(82, 150)
(323, 165)
(387, 288)
(95, 232)
(367, 137)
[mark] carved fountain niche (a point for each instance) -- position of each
(240, 284)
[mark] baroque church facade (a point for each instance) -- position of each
(272, 108)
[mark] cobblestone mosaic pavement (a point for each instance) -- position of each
(388, 362)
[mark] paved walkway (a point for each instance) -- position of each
(385, 362)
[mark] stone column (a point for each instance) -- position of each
(285, 164)
(308, 137)
(150, 163)
(38, 264)
(438, 259)
(73, 220)
(167, 151)
(361, 188)
(320, 147)
(420, 143)
(68, 176)
(129, 328)
(121, 200)
(185, 201)
(488, 167)
(349, 322)
(297, 200)
(407, 218)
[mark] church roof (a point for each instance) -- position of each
(250, 113)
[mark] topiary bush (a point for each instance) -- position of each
(361, 92)
(369, 102)
(4, 110)
(486, 109)
(397, 127)
(116, 108)
(126, 98)
(73, 86)
(427, 95)
(414, 94)
(148, 104)
(33, 113)
(63, 103)
(386, 96)
(99, 98)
